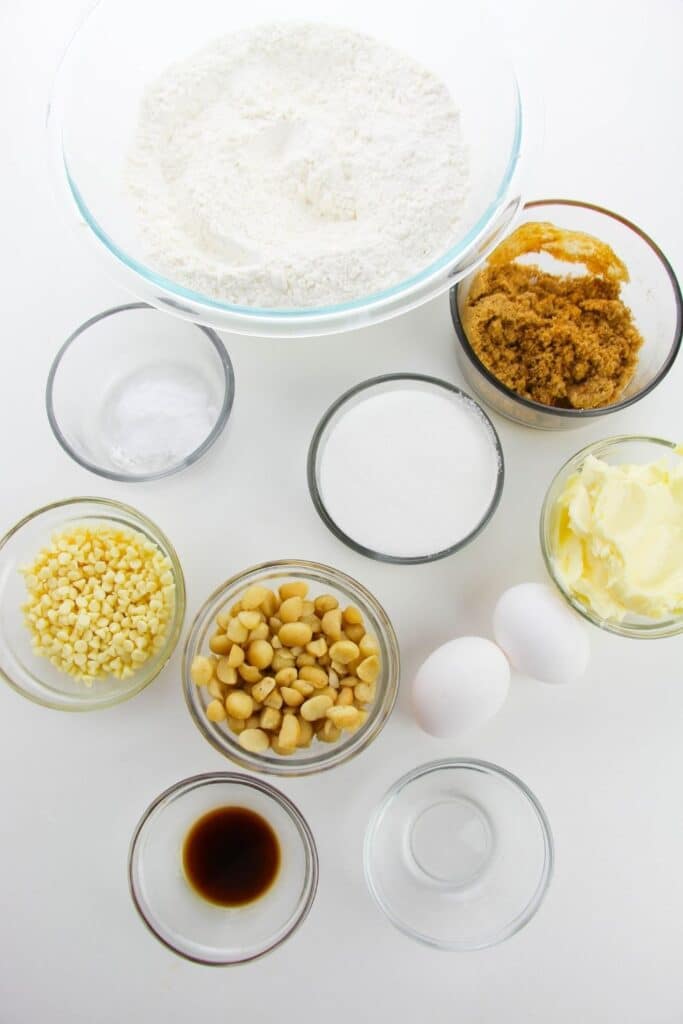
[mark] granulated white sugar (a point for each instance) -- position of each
(297, 165)
(408, 472)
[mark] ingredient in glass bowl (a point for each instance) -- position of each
(540, 635)
(101, 599)
(231, 856)
(460, 686)
(616, 538)
(155, 417)
(561, 340)
(285, 669)
(409, 472)
(296, 165)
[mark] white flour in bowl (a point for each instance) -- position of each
(296, 165)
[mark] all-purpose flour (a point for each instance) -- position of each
(296, 165)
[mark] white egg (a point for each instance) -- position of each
(460, 686)
(541, 636)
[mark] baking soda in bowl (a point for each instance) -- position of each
(405, 468)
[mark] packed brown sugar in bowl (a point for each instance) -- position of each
(561, 340)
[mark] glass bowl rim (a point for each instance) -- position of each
(284, 768)
(193, 782)
(406, 288)
(640, 631)
(487, 768)
(580, 414)
(179, 611)
(188, 460)
(312, 466)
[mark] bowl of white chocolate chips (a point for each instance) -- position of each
(92, 598)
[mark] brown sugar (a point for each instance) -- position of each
(560, 340)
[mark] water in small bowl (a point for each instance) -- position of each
(459, 854)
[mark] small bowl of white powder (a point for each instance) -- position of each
(405, 468)
(134, 395)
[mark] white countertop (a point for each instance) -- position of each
(605, 757)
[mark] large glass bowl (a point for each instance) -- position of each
(123, 45)
(614, 451)
(35, 677)
(652, 294)
(323, 579)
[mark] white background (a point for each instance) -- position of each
(605, 756)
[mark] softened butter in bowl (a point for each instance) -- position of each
(612, 529)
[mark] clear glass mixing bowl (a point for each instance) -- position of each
(124, 45)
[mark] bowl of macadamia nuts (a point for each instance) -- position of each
(291, 668)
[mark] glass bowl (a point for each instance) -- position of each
(459, 854)
(319, 756)
(383, 385)
(615, 451)
(123, 45)
(136, 396)
(35, 677)
(652, 294)
(177, 915)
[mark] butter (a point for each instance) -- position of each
(617, 538)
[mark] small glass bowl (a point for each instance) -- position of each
(177, 915)
(35, 677)
(615, 451)
(652, 294)
(356, 394)
(134, 395)
(319, 756)
(459, 854)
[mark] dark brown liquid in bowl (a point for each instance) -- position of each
(231, 856)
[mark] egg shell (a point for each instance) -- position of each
(541, 636)
(460, 686)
